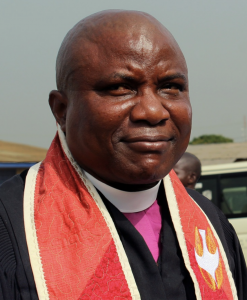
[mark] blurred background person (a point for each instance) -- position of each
(188, 170)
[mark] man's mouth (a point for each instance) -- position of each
(156, 143)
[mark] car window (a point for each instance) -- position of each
(234, 193)
(227, 191)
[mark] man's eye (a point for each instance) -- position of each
(173, 86)
(117, 88)
(172, 89)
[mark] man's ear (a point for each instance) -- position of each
(58, 104)
(192, 178)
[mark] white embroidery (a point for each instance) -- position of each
(208, 261)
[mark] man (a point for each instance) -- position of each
(98, 222)
(188, 170)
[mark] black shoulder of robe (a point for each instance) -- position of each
(16, 277)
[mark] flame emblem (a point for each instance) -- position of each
(208, 258)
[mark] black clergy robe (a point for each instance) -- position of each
(169, 279)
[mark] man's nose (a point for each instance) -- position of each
(149, 108)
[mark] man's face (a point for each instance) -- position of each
(128, 118)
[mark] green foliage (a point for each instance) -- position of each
(210, 139)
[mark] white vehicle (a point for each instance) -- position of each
(226, 186)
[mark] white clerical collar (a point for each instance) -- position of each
(126, 202)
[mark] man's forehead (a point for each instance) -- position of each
(135, 45)
(134, 42)
(112, 64)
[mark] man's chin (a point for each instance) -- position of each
(143, 177)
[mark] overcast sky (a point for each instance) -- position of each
(211, 33)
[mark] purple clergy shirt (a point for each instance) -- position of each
(148, 222)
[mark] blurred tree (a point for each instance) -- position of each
(210, 139)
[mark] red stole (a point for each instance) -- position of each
(74, 248)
